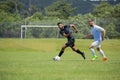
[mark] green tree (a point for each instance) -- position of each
(61, 9)
(111, 32)
(11, 6)
(116, 15)
(9, 17)
(37, 16)
(103, 10)
(116, 11)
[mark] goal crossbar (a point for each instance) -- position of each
(37, 26)
(25, 26)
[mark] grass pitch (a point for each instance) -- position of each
(31, 59)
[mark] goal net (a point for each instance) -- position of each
(39, 31)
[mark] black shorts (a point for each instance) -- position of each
(70, 42)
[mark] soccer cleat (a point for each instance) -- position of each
(83, 55)
(94, 58)
(105, 58)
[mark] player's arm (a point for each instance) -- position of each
(103, 34)
(88, 36)
(75, 27)
(66, 35)
(63, 34)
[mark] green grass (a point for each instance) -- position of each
(31, 59)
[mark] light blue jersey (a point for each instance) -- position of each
(96, 32)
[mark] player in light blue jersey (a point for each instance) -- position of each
(98, 35)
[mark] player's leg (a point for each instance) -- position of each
(78, 51)
(60, 53)
(62, 50)
(92, 50)
(66, 45)
(72, 45)
(101, 52)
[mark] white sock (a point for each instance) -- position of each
(102, 53)
(92, 51)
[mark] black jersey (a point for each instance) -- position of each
(66, 30)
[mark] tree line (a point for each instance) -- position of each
(12, 17)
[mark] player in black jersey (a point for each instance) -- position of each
(65, 31)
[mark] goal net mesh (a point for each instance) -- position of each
(39, 31)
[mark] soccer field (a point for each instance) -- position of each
(32, 59)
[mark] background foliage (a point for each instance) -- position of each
(13, 14)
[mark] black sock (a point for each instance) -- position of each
(82, 53)
(78, 51)
(60, 54)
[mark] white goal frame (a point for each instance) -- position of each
(26, 26)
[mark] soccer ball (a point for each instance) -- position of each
(57, 58)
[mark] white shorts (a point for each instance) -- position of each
(96, 44)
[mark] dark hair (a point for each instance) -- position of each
(91, 20)
(59, 23)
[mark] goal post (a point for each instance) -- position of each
(24, 28)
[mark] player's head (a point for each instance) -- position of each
(91, 22)
(60, 25)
